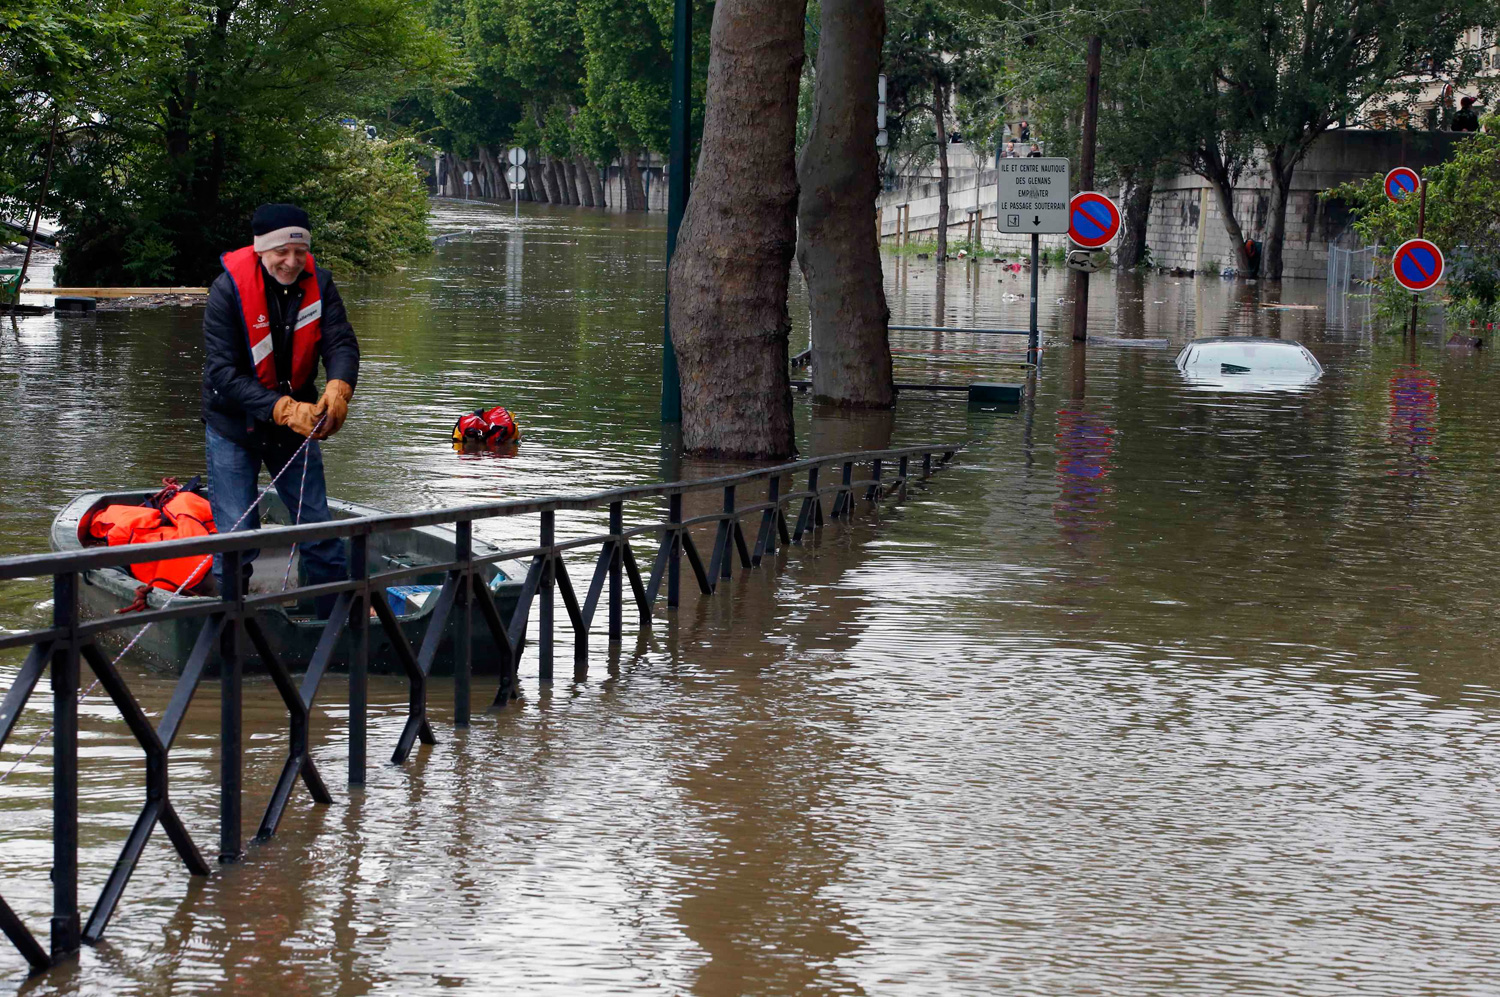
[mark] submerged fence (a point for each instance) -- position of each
(1351, 281)
(832, 487)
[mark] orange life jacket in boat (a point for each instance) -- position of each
(186, 514)
(243, 267)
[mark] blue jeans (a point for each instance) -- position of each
(233, 484)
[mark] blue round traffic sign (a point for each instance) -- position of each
(1093, 219)
(1417, 265)
(1400, 182)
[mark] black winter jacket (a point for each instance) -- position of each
(235, 404)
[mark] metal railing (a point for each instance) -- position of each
(231, 620)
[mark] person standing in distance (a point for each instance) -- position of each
(271, 317)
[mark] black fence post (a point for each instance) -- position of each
(726, 531)
(231, 689)
(463, 640)
(65, 923)
(544, 639)
(359, 661)
(616, 573)
(674, 554)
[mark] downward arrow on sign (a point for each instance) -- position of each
(1036, 220)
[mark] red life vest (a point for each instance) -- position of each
(494, 426)
(243, 267)
(187, 514)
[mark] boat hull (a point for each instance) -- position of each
(290, 630)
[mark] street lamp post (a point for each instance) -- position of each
(677, 192)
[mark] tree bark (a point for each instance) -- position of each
(1216, 172)
(1137, 214)
(535, 188)
(729, 277)
(596, 179)
(487, 170)
(565, 192)
(1271, 257)
(549, 180)
(1224, 194)
(839, 249)
(580, 174)
(635, 191)
(940, 104)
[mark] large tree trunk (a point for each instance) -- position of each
(630, 179)
(580, 176)
(549, 180)
(596, 180)
(536, 188)
(1137, 214)
(1218, 177)
(728, 279)
(1224, 194)
(494, 177)
(940, 102)
(565, 192)
(1275, 238)
(838, 247)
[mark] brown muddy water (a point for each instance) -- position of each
(1160, 690)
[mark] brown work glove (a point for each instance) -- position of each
(336, 395)
(300, 417)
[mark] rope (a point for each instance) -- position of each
(173, 597)
(297, 517)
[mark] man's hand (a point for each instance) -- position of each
(301, 417)
(335, 402)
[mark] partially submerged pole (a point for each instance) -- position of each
(1421, 230)
(36, 221)
(677, 193)
(1086, 181)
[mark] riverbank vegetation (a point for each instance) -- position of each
(1462, 217)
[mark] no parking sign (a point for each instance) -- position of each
(1400, 182)
(1417, 265)
(1093, 219)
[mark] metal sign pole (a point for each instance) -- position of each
(1421, 225)
(1032, 337)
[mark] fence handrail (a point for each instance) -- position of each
(56, 562)
(232, 629)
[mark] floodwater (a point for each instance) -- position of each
(1159, 690)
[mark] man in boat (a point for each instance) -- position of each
(272, 315)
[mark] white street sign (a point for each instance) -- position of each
(1034, 195)
(882, 139)
(516, 175)
(516, 156)
(468, 176)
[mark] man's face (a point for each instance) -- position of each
(285, 263)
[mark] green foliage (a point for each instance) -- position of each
(938, 56)
(367, 203)
(179, 117)
(1463, 218)
(575, 77)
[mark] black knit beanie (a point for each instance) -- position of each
(276, 225)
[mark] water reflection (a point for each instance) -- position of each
(1412, 423)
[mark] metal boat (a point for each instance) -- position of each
(291, 628)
